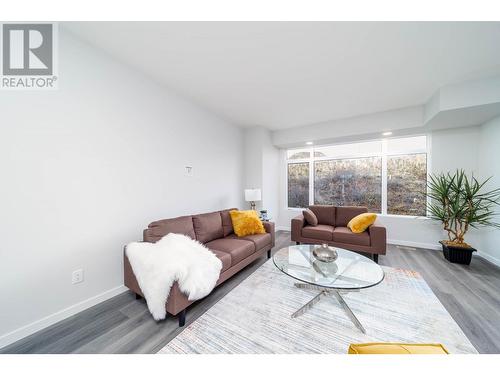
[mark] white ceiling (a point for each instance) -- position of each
(286, 74)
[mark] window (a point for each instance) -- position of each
(406, 183)
(349, 182)
(406, 176)
(298, 184)
(388, 176)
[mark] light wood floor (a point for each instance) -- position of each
(471, 294)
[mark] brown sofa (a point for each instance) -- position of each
(332, 229)
(215, 230)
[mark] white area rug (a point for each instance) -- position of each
(255, 318)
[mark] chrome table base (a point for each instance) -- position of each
(337, 293)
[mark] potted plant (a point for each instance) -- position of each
(460, 203)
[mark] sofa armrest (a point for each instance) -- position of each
(269, 227)
(378, 238)
(298, 223)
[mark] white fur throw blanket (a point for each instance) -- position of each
(173, 258)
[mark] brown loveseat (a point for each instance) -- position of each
(332, 229)
(215, 230)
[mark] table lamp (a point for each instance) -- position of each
(252, 195)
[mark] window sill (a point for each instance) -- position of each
(296, 209)
(404, 216)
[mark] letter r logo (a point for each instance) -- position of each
(27, 49)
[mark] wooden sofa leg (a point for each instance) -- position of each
(375, 258)
(268, 254)
(182, 318)
(138, 296)
(297, 242)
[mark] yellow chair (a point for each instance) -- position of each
(396, 348)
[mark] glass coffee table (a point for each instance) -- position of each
(350, 272)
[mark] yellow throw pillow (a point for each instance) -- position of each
(246, 223)
(396, 348)
(360, 223)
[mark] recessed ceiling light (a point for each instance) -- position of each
(309, 143)
(386, 133)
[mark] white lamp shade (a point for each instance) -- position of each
(252, 195)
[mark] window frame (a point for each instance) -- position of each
(383, 154)
(373, 156)
(297, 161)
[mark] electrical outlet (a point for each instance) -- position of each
(189, 171)
(77, 276)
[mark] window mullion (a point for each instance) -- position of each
(311, 181)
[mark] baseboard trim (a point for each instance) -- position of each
(489, 258)
(283, 228)
(422, 245)
(49, 320)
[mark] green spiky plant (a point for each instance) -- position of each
(459, 203)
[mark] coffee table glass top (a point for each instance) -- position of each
(349, 271)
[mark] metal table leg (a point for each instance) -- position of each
(337, 294)
(348, 310)
(308, 305)
(309, 287)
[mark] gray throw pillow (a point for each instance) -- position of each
(310, 217)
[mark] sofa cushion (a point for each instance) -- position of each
(325, 214)
(227, 224)
(310, 217)
(345, 214)
(237, 248)
(319, 232)
(157, 229)
(260, 240)
(208, 227)
(344, 235)
(225, 258)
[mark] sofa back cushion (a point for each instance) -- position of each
(346, 213)
(227, 224)
(208, 227)
(310, 217)
(157, 229)
(325, 214)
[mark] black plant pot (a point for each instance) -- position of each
(457, 254)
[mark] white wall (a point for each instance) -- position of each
(489, 167)
(449, 149)
(270, 183)
(261, 166)
(252, 139)
(466, 94)
(455, 148)
(85, 169)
